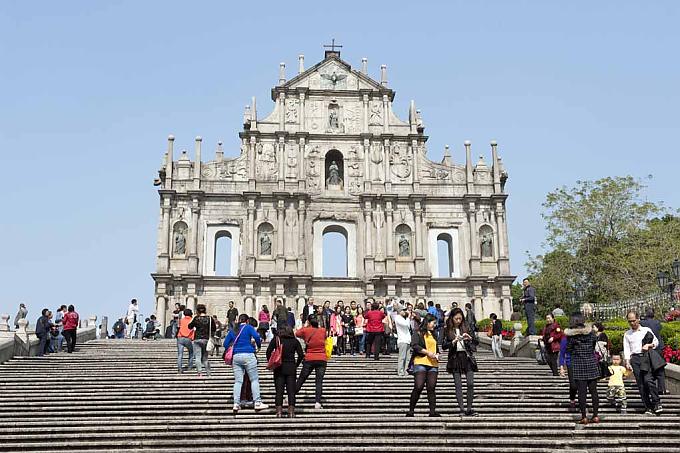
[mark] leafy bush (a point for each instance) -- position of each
(616, 340)
(674, 341)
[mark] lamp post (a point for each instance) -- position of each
(668, 281)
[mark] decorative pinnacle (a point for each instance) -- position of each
(467, 143)
(199, 138)
(493, 143)
(171, 137)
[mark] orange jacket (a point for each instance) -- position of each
(184, 330)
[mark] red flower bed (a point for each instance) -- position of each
(671, 355)
(507, 334)
(673, 315)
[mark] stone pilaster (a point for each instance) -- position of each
(301, 236)
(193, 238)
(164, 256)
(280, 252)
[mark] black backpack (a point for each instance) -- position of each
(118, 327)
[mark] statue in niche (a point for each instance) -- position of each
(333, 117)
(334, 175)
(404, 246)
(487, 245)
(379, 221)
(291, 160)
(291, 222)
(180, 240)
(375, 117)
(266, 167)
(377, 159)
(265, 244)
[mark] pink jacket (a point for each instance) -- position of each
(336, 325)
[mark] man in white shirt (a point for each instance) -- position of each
(132, 316)
(632, 353)
(403, 325)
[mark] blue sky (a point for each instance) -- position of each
(90, 91)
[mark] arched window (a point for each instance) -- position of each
(445, 255)
(404, 244)
(222, 257)
(334, 251)
(265, 239)
(335, 170)
(179, 238)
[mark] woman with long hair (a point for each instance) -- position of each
(581, 341)
(337, 330)
(285, 375)
(204, 326)
(349, 329)
(264, 318)
(425, 365)
(314, 337)
(360, 324)
(244, 361)
(375, 330)
(460, 343)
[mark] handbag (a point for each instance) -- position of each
(605, 372)
(229, 353)
(409, 368)
(329, 346)
(210, 346)
(276, 359)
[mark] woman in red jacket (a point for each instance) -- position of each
(314, 337)
(552, 336)
(70, 323)
(375, 330)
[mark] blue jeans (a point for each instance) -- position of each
(246, 363)
(181, 344)
(362, 343)
(201, 356)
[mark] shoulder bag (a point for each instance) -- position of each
(276, 359)
(229, 354)
(210, 346)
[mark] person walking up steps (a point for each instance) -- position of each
(244, 361)
(425, 365)
(70, 322)
(496, 336)
(204, 325)
(185, 338)
(461, 345)
(284, 375)
(315, 357)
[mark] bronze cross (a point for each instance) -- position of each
(332, 46)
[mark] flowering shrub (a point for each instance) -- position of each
(673, 315)
(507, 334)
(671, 355)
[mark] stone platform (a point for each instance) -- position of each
(114, 395)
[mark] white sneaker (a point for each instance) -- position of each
(260, 406)
(318, 406)
(236, 408)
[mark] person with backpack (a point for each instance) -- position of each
(43, 326)
(244, 360)
(70, 322)
(285, 373)
(315, 360)
(185, 339)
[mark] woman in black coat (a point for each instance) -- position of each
(285, 375)
(581, 341)
(461, 344)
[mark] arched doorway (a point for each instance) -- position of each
(334, 251)
(222, 258)
(445, 255)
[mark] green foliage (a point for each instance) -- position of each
(605, 237)
(674, 341)
(616, 339)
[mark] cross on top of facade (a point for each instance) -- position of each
(331, 49)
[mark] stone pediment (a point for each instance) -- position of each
(333, 74)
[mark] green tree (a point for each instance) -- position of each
(605, 236)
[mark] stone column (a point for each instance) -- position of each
(502, 234)
(193, 239)
(364, 125)
(415, 152)
(301, 160)
(192, 300)
(161, 308)
(388, 177)
(197, 163)
(386, 121)
(301, 236)
(249, 306)
(92, 321)
(379, 236)
(252, 151)
(468, 168)
(301, 115)
(496, 168)
(281, 105)
(369, 229)
(164, 257)
(103, 333)
(389, 236)
(168, 163)
(281, 156)
(418, 212)
(367, 164)
(280, 252)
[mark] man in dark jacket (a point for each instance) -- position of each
(42, 331)
(529, 301)
(232, 314)
(280, 313)
(655, 326)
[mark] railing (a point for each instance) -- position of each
(660, 302)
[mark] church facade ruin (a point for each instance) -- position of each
(331, 158)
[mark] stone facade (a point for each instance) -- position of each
(331, 157)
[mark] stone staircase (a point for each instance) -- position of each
(114, 395)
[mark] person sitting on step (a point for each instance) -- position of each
(151, 332)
